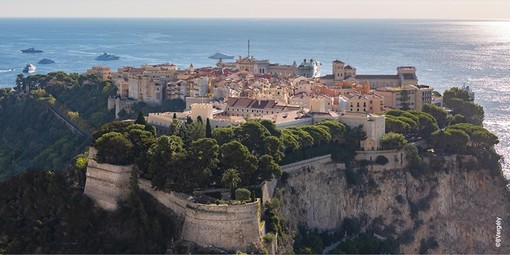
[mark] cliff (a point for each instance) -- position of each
(454, 203)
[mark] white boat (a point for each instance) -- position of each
(29, 68)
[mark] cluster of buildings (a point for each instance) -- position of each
(288, 95)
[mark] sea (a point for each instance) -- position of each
(446, 53)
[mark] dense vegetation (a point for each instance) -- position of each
(46, 212)
(31, 135)
(232, 157)
(80, 97)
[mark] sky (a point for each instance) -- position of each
(374, 9)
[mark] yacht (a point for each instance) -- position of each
(29, 68)
(107, 56)
(32, 50)
(46, 61)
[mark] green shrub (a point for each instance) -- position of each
(381, 160)
(243, 194)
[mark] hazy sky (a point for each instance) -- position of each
(393, 9)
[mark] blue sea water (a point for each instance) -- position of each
(445, 53)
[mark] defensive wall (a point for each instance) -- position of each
(396, 159)
(232, 227)
(106, 184)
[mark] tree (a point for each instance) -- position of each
(320, 134)
(192, 132)
(480, 137)
(304, 138)
(271, 127)
(175, 127)
(142, 140)
(236, 155)
(114, 148)
(457, 118)
(274, 147)
(189, 120)
(289, 140)
(203, 160)
(438, 113)
(393, 141)
(354, 137)
(461, 102)
(426, 123)
(223, 135)
(336, 128)
(268, 168)
(231, 180)
(395, 125)
(208, 129)
(140, 119)
(115, 126)
(250, 134)
(455, 92)
(167, 167)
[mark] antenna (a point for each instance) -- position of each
(248, 48)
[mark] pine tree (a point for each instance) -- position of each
(140, 119)
(208, 129)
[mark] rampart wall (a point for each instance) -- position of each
(232, 227)
(309, 162)
(396, 159)
(106, 184)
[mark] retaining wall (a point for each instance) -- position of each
(232, 227)
(106, 184)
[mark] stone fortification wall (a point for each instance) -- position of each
(326, 159)
(106, 184)
(232, 227)
(396, 159)
(176, 202)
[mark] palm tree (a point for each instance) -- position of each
(231, 180)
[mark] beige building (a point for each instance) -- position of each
(367, 103)
(144, 84)
(162, 121)
(103, 72)
(308, 68)
(200, 86)
(177, 90)
(406, 97)
(249, 108)
(406, 75)
(374, 125)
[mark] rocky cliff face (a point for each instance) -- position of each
(456, 207)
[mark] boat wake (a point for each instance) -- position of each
(7, 70)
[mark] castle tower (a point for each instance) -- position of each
(338, 70)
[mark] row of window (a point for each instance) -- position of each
(253, 111)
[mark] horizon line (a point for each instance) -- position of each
(251, 18)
